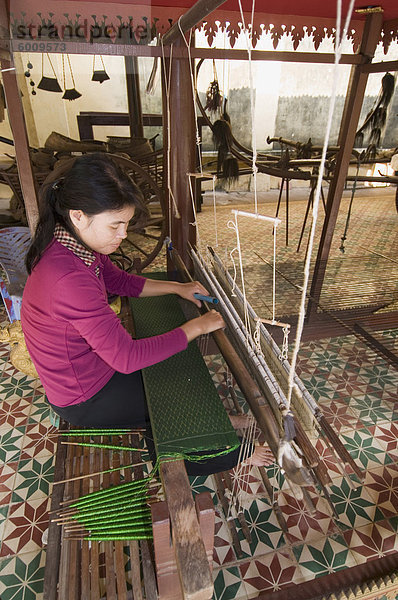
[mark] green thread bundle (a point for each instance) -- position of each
(121, 512)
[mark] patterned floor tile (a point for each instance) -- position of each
(354, 506)
(305, 525)
(265, 532)
(8, 473)
(269, 573)
(16, 386)
(41, 410)
(11, 443)
(382, 486)
(224, 552)
(15, 412)
(228, 584)
(8, 371)
(387, 436)
(25, 526)
(371, 541)
(369, 410)
(325, 556)
(201, 484)
(350, 384)
(21, 577)
(358, 354)
(340, 416)
(364, 449)
(381, 377)
(318, 387)
(3, 518)
(39, 440)
(331, 460)
(327, 361)
(33, 479)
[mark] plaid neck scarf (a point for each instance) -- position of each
(64, 237)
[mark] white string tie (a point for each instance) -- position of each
(300, 322)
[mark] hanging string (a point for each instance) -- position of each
(249, 48)
(198, 139)
(167, 80)
(234, 225)
(215, 210)
(300, 322)
(242, 470)
(195, 221)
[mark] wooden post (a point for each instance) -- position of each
(18, 127)
(348, 128)
(133, 96)
(179, 115)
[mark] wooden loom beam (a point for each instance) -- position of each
(192, 17)
(18, 126)
(190, 552)
(348, 128)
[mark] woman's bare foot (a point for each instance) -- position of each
(261, 457)
(240, 421)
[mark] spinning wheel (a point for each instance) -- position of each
(144, 239)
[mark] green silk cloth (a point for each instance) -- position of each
(186, 412)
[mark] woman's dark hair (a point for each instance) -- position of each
(93, 183)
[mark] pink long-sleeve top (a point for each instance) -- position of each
(74, 338)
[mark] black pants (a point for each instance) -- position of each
(121, 403)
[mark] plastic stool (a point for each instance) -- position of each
(14, 244)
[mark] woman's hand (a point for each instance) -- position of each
(207, 323)
(187, 291)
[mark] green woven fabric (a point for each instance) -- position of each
(186, 411)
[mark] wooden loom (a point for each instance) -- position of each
(110, 569)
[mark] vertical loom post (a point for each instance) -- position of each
(181, 155)
(348, 127)
(190, 552)
(169, 586)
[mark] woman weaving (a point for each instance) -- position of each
(88, 363)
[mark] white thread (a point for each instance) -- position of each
(249, 47)
(300, 322)
(215, 209)
(234, 225)
(195, 223)
(285, 344)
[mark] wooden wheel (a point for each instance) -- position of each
(144, 241)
